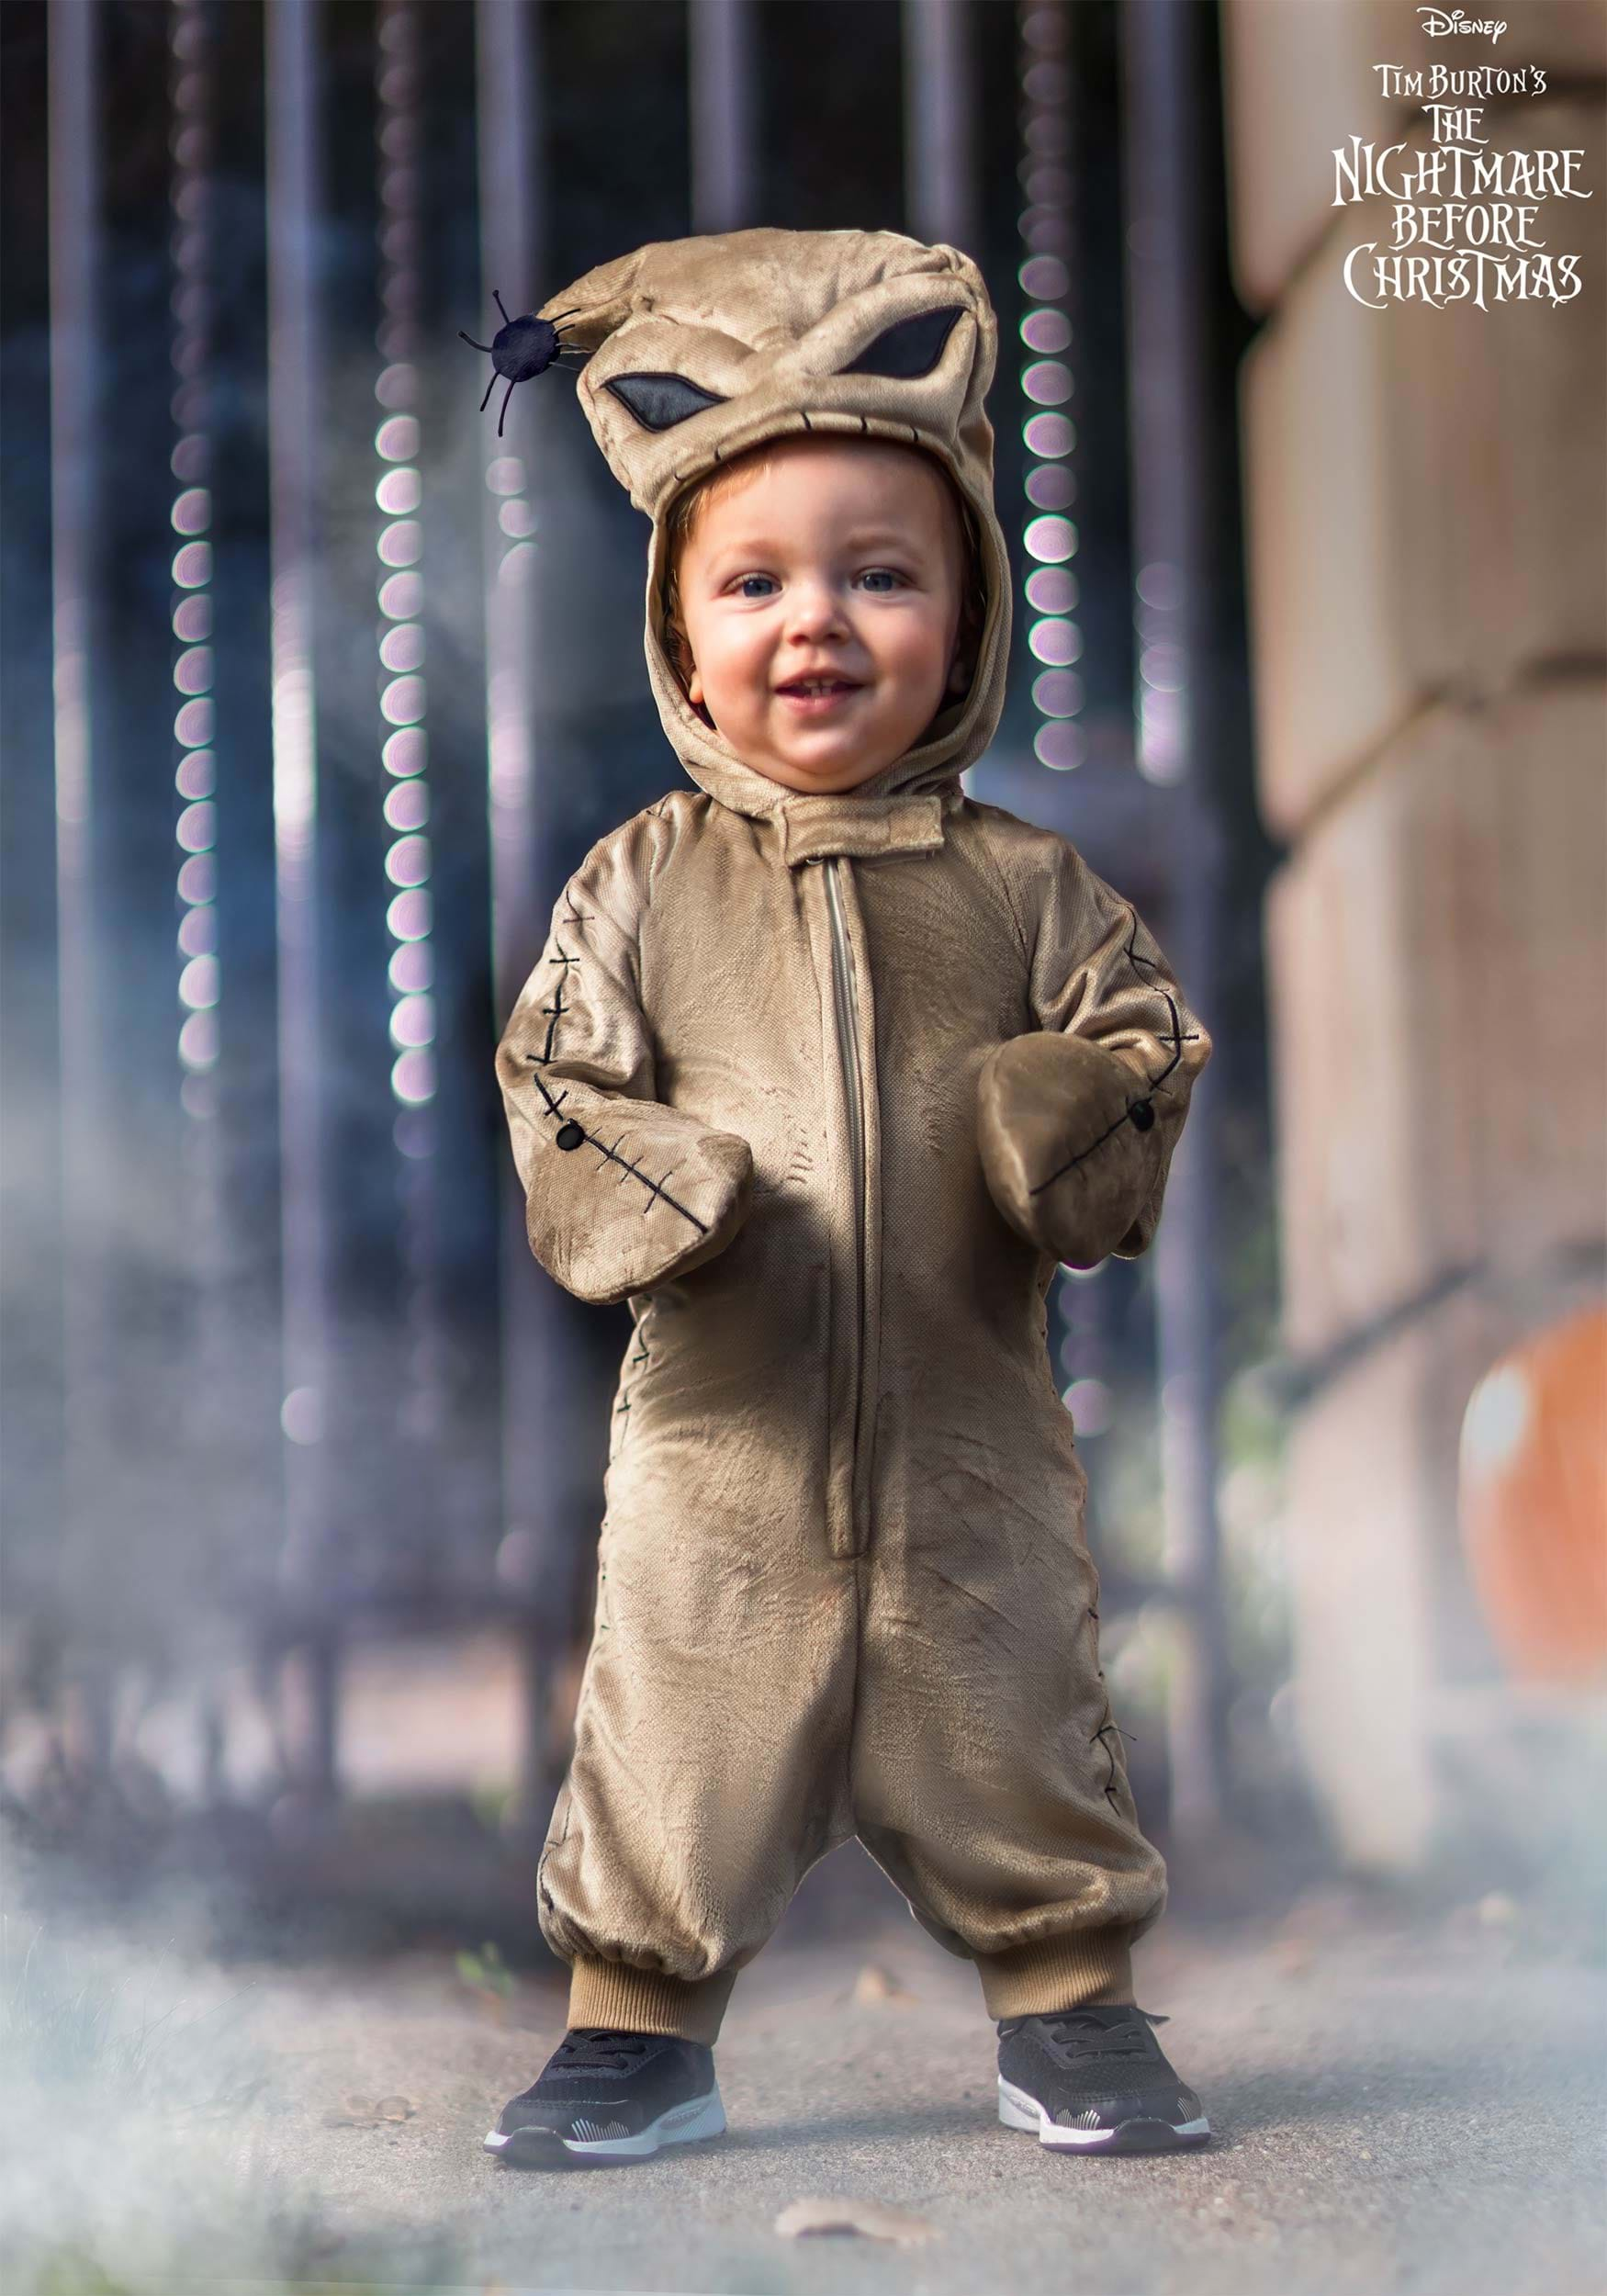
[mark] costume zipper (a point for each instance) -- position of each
(846, 1013)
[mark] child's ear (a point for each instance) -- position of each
(962, 662)
(680, 655)
(691, 676)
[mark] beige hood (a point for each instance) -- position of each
(702, 347)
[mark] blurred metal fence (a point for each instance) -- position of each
(309, 1379)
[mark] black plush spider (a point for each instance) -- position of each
(521, 349)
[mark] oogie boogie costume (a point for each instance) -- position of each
(824, 1086)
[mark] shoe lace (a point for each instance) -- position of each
(598, 2045)
(1085, 2031)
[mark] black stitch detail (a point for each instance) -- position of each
(1178, 1038)
(642, 1355)
(807, 424)
(1084, 1154)
(1131, 952)
(864, 425)
(663, 1178)
(1100, 1738)
(556, 1008)
(654, 1186)
(915, 437)
(577, 917)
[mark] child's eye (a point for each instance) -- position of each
(882, 578)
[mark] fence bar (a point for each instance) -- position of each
(1167, 375)
(294, 480)
(88, 1116)
(537, 1556)
(721, 75)
(940, 142)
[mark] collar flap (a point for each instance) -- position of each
(814, 827)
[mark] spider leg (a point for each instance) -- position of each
(489, 387)
(501, 307)
(503, 416)
(472, 344)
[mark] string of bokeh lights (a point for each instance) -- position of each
(398, 494)
(1049, 536)
(194, 725)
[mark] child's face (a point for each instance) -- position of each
(842, 560)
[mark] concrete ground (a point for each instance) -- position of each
(1412, 2108)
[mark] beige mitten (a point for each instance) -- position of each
(623, 1194)
(1072, 1144)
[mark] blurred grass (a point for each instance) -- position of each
(67, 2024)
(90, 2038)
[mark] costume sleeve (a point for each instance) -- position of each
(622, 1191)
(1077, 1121)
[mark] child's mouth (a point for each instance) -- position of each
(813, 697)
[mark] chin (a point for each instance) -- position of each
(835, 775)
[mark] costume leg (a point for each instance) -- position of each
(710, 1764)
(988, 1776)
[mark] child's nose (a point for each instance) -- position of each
(813, 605)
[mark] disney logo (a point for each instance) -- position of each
(1438, 22)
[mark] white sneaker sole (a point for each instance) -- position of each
(1018, 2110)
(682, 2125)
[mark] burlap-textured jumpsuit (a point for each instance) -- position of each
(825, 1088)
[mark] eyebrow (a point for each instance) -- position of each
(861, 538)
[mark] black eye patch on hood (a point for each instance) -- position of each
(662, 400)
(909, 348)
(903, 351)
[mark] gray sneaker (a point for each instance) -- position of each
(1096, 2080)
(606, 2096)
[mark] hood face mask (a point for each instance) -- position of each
(698, 349)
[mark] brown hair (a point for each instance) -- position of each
(680, 522)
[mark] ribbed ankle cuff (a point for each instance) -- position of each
(1076, 1970)
(633, 2001)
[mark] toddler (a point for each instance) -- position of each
(824, 1069)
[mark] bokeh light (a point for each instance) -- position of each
(1046, 381)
